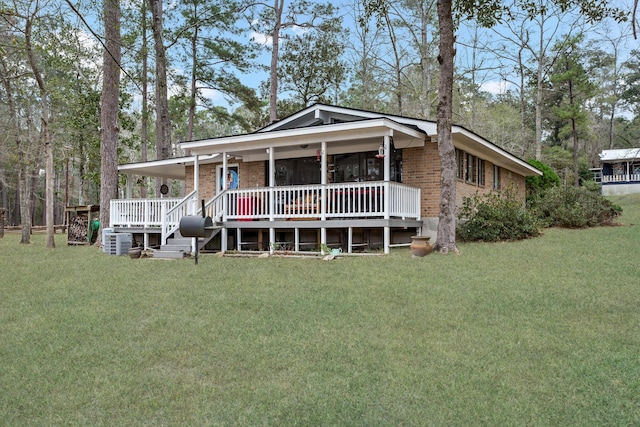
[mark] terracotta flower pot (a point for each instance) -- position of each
(420, 246)
(135, 252)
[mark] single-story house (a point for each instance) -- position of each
(620, 171)
(324, 177)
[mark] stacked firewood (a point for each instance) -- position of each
(77, 230)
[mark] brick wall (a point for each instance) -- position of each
(207, 180)
(250, 174)
(421, 168)
(253, 174)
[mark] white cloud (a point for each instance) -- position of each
(261, 39)
(212, 94)
(299, 31)
(496, 87)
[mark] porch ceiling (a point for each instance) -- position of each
(302, 142)
(170, 168)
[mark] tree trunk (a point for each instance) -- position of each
(46, 137)
(109, 110)
(539, 89)
(24, 186)
(446, 240)
(49, 193)
(396, 56)
(193, 92)
(144, 120)
(523, 104)
(424, 62)
(24, 180)
(163, 122)
(273, 74)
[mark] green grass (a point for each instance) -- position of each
(538, 332)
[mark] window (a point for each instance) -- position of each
(481, 172)
(460, 164)
(471, 175)
(365, 167)
(300, 171)
(496, 177)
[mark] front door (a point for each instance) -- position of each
(231, 181)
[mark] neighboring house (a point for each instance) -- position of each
(620, 171)
(326, 175)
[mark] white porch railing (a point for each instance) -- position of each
(163, 214)
(375, 199)
(140, 213)
(215, 207)
(171, 218)
(634, 177)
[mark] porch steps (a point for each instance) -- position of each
(178, 247)
(174, 249)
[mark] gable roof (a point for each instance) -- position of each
(620, 154)
(299, 141)
(300, 134)
(463, 138)
(321, 113)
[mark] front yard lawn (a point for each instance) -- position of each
(544, 331)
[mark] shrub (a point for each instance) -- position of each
(495, 217)
(573, 207)
(539, 184)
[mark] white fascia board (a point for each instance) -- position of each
(427, 126)
(323, 133)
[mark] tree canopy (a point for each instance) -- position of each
(510, 72)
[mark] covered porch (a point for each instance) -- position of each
(332, 178)
(336, 206)
(620, 171)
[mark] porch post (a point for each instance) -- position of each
(196, 184)
(387, 158)
(129, 185)
(272, 202)
(225, 206)
(628, 171)
(387, 190)
(223, 181)
(323, 192)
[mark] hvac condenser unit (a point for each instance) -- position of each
(116, 243)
